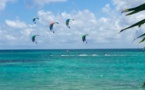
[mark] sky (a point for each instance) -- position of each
(100, 19)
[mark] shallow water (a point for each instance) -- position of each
(104, 69)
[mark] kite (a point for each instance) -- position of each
(33, 38)
(34, 19)
(67, 22)
(84, 38)
(51, 25)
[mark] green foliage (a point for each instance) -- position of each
(133, 11)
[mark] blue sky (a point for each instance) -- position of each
(101, 19)
(22, 8)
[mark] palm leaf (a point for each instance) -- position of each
(139, 37)
(135, 9)
(136, 24)
(142, 40)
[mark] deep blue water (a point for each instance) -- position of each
(100, 69)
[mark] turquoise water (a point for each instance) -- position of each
(104, 69)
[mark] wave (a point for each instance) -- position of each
(95, 55)
(114, 55)
(88, 55)
(67, 55)
(83, 55)
(80, 55)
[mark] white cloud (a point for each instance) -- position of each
(3, 3)
(102, 31)
(45, 17)
(99, 30)
(85, 22)
(15, 24)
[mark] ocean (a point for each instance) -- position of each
(89, 69)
